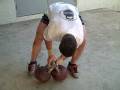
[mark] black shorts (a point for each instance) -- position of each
(45, 19)
(81, 20)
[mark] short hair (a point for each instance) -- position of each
(68, 45)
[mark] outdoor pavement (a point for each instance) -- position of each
(99, 65)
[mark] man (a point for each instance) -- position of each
(62, 23)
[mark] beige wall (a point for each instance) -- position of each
(94, 4)
(118, 5)
(113, 4)
(8, 11)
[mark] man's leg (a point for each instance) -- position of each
(78, 52)
(37, 43)
(72, 66)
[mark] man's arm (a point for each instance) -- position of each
(48, 46)
(51, 56)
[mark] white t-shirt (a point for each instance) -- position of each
(63, 19)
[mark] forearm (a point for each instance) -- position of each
(61, 59)
(48, 46)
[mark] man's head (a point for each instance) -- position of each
(68, 45)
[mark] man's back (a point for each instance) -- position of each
(59, 8)
(64, 18)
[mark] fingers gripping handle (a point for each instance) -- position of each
(52, 66)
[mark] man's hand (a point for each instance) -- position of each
(51, 58)
(61, 59)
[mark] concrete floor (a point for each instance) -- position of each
(99, 65)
